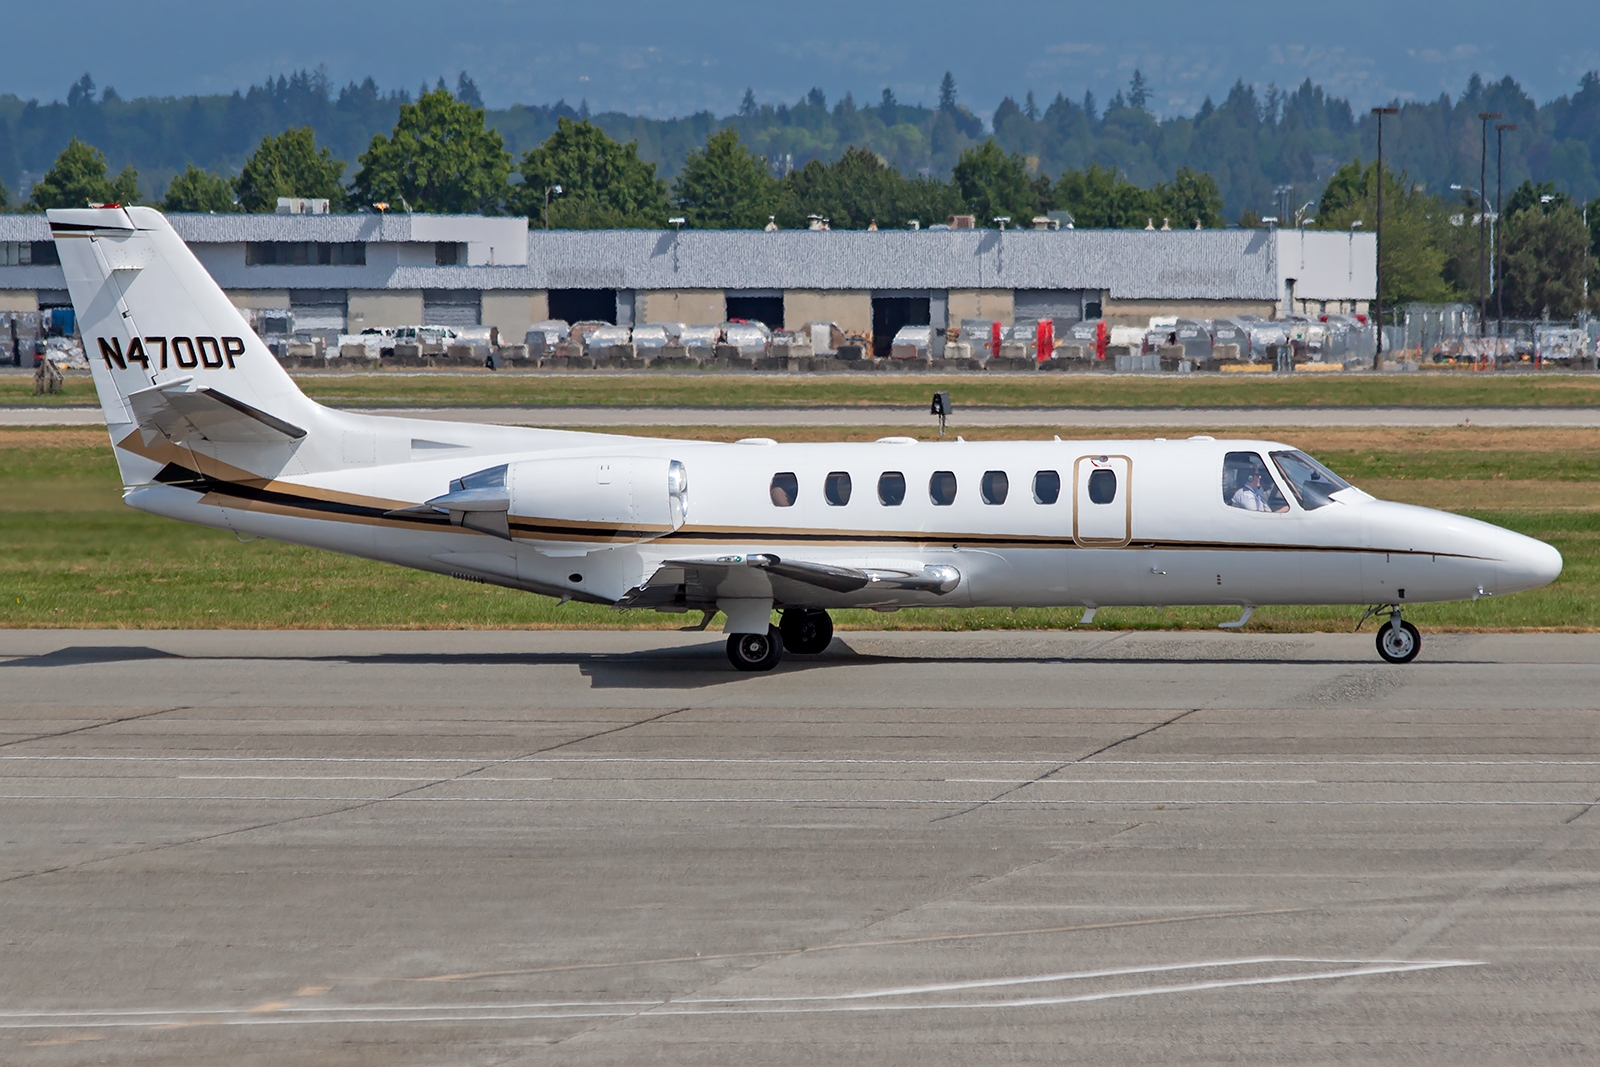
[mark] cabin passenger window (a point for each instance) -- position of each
(942, 488)
(1046, 487)
(1311, 483)
(836, 489)
(891, 489)
(785, 488)
(1248, 486)
(1102, 487)
(994, 487)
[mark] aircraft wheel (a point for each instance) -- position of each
(1399, 644)
(756, 652)
(805, 633)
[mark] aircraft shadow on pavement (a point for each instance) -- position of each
(84, 655)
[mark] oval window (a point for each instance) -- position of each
(785, 488)
(1102, 486)
(994, 487)
(1046, 487)
(942, 488)
(891, 489)
(836, 489)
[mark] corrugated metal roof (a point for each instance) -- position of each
(1130, 264)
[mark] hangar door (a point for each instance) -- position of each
(451, 307)
(1102, 506)
(1065, 306)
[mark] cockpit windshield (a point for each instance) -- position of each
(1312, 484)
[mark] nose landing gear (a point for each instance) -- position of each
(1398, 640)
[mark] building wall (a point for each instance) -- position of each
(692, 307)
(1138, 312)
(995, 304)
(851, 309)
(514, 311)
(385, 307)
(19, 300)
(259, 299)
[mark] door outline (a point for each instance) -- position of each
(1127, 503)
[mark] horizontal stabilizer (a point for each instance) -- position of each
(185, 415)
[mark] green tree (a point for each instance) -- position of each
(994, 184)
(1416, 227)
(604, 185)
(5, 197)
(199, 191)
(79, 179)
(1099, 198)
(1188, 197)
(860, 188)
(725, 186)
(290, 164)
(1546, 253)
(441, 158)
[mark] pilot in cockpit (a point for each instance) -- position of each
(1252, 492)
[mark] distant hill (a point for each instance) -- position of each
(1251, 143)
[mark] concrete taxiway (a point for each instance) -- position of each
(1077, 418)
(611, 848)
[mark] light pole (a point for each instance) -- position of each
(1378, 294)
(547, 191)
(1500, 129)
(1483, 221)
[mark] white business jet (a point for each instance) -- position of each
(209, 429)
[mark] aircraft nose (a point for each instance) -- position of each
(1528, 564)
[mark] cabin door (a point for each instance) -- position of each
(1102, 506)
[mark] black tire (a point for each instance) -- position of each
(805, 633)
(756, 652)
(1401, 646)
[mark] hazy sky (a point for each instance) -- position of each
(662, 59)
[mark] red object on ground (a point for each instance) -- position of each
(1100, 339)
(994, 340)
(1046, 341)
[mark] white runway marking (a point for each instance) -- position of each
(1046, 760)
(889, 999)
(836, 801)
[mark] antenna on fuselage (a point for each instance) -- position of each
(941, 408)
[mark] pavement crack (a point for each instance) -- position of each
(1102, 750)
(95, 726)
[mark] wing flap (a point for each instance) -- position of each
(689, 583)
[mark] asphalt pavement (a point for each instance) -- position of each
(919, 848)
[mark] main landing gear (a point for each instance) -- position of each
(801, 631)
(805, 632)
(1398, 640)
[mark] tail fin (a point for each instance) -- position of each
(175, 364)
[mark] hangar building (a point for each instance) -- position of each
(349, 272)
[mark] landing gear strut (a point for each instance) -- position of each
(756, 652)
(805, 632)
(1398, 640)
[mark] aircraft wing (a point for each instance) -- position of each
(180, 414)
(700, 583)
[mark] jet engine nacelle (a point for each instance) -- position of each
(625, 499)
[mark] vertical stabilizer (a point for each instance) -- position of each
(174, 361)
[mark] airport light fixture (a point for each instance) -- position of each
(556, 189)
(1483, 222)
(1377, 294)
(1002, 220)
(1500, 129)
